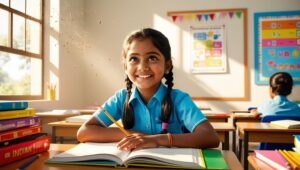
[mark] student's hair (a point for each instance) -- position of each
(161, 42)
(281, 83)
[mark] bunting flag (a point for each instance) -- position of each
(238, 14)
(207, 16)
(231, 14)
(174, 18)
(199, 17)
(211, 16)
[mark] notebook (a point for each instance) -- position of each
(272, 158)
(288, 124)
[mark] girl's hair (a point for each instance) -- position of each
(281, 83)
(161, 42)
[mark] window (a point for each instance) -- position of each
(21, 53)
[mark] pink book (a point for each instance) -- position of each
(272, 158)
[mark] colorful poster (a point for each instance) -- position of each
(208, 50)
(277, 45)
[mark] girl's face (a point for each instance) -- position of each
(145, 65)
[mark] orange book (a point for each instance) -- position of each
(18, 133)
(24, 149)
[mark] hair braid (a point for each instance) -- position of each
(127, 117)
(167, 103)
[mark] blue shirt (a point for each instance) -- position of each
(280, 106)
(147, 118)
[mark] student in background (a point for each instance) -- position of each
(281, 84)
(153, 113)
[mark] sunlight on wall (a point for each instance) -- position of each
(54, 15)
(53, 82)
(54, 52)
(171, 31)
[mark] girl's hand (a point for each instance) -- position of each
(137, 141)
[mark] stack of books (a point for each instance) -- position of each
(20, 132)
(279, 159)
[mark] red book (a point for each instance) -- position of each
(272, 158)
(18, 133)
(22, 150)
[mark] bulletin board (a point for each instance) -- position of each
(228, 80)
(277, 45)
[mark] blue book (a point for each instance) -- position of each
(13, 105)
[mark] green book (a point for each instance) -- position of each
(214, 159)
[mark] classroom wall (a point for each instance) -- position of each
(91, 36)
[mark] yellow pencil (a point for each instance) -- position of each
(292, 158)
(293, 165)
(114, 121)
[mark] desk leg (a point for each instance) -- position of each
(226, 143)
(233, 141)
(246, 151)
(240, 149)
(53, 134)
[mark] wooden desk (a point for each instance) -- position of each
(67, 129)
(223, 130)
(215, 117)
(263, 132)
(258, 164)
(63, 129)
(237, 117)
(229, 157)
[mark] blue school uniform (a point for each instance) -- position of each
(147, 118)
(280, 106)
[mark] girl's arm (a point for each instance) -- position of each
(204, 136)
(93, 131)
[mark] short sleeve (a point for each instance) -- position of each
(114, 106)
(187, 111)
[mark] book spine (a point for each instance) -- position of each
(17, 113)
(10, 124)
(23, 150)
(18, 105)
(17, 133)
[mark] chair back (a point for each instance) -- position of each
(269, 118)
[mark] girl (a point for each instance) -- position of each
(281, 84)
(154, 114)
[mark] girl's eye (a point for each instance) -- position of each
(133, 59)
(152, 58)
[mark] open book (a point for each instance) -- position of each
(107, 154)
(288, 124)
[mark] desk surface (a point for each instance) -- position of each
(262, 127)
(229, 157)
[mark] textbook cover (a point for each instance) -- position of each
(18, 133)
(24, 149)
(10, 124)
(12, 114)
(13, 105)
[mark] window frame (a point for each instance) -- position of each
(24, 52)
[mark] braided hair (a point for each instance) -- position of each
(161, 42)
(281, 83)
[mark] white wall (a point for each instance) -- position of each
(91, 37)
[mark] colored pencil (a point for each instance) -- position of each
(114, 121)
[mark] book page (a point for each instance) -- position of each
(92, 151)
(184, 157)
